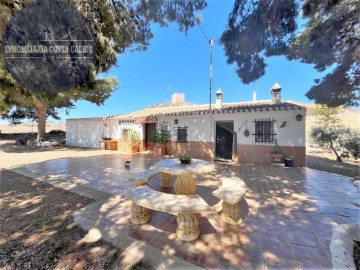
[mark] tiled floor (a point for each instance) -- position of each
(289, 212)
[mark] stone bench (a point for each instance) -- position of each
(187, 209)
(142, 178)
(232, 190)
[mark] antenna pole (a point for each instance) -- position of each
(211, 75)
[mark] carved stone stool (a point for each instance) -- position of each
(188, 226)
(139, 214)
(231, 213)
(165, 180)
(232, 190)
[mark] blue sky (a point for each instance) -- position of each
(175, 62)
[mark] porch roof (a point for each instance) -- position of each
(146, 120)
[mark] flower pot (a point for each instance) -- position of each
(276, 157)
(135, 148)
(159, 150)
(185, 161)
(289, 162)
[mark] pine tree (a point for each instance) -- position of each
(329, 39)
(120, 25)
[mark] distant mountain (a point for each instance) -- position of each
(311, 108)
(29, 123)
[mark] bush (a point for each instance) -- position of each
(342, 141)
(352, 143)
(133, 136)
(162, 135)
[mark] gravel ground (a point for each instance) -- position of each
(38, 232)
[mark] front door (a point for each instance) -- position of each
(224, 139)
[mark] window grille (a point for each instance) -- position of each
(181, 134)
(264, 131)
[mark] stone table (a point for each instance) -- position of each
(185, 182)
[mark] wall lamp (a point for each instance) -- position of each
(298, 117)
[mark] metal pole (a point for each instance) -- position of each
(211, 51)
(211, 78)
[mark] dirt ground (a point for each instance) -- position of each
(38, 232)
(325, 160)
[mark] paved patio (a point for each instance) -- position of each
(290, 212)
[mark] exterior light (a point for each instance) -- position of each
(298, 117)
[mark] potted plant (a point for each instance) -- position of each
(185, 159)
(134, 138)
(276, 154)
(161, 137)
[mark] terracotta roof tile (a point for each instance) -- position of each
(204, 109)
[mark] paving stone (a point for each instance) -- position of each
(313, 258)
(289, 224)
(273, 232)
(278, 254)
(302, 238)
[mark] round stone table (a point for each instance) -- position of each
(185, 182)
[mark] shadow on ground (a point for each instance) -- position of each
(38, 231)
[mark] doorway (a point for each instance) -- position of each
(224, 140)
(150, 129)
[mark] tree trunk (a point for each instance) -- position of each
(338, 158)
(41, 109)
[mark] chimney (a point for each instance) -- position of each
(178, 98)
(219, 96)
(254, 96)
(276, 93)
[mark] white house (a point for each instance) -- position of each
(243, 132)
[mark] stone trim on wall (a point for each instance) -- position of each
(256, 154)
(200, 150)
(261, 154)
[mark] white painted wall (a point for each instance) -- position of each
(87, 132)
(201, 128)
(114, 129)
(84, 132)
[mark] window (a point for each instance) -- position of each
(181, 134)
(264, 131)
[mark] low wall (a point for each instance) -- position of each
(125, 146)
(261, 154)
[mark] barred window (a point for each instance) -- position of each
(181, 134)
(264, 131)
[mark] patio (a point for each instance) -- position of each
(291, 212)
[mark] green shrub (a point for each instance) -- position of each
(162, 135)
(133, 136)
